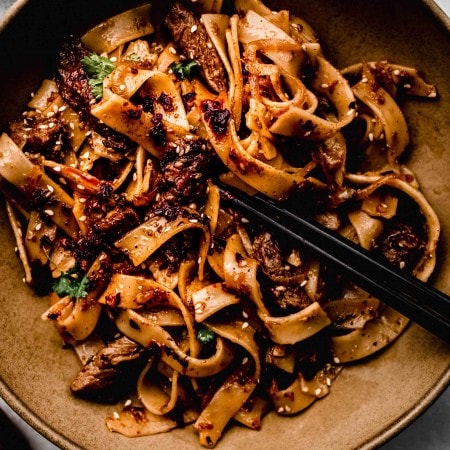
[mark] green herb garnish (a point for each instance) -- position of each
(98, 68)
(133, 57)
(185, 69)
(205, 335)
(68, 284)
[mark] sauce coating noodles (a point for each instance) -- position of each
(178, 307)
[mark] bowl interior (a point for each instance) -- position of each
(369, 402)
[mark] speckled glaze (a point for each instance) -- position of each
(369, 403)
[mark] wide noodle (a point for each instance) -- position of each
(110, 188)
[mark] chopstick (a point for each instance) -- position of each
(420, 302)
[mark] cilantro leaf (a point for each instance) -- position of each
(205, 335)
(75, 288)
(133, 57)
(185, 69)
(97, 68)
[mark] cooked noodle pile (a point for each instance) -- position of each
(179, 308)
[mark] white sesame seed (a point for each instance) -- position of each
(280, 409)
(407, 86)
(402, 264)
(113, 59)
(62, 108)
(128, 402)
(38, 227)
(324, 85)
(245, 325)
(122, 87)
(303, 283)
(288, 409)
(328, 379)
(88, 133)
(318, 391)
(244, 315)
(173, 50)
(116, 415)
(245, 220)
(396, 72)
(82, 219)
(245, 361)
(370, 137)
(80, 187)
(336, 360)
(209, 45)
(432, 95)
(50, 188)
(49, 212)
(193, 28)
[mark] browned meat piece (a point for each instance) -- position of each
(290, 298)
(41, 135)
(190, 35)
(104, 375)
(73, 85)
(116, 223)
(267, 252)
(401, 246)
(184, 172)
(103, 233)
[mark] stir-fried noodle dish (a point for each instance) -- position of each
(183, 311)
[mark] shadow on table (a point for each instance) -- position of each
(11, 438)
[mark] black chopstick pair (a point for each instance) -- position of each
(420, 302)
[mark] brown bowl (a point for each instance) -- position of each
(369, 403)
